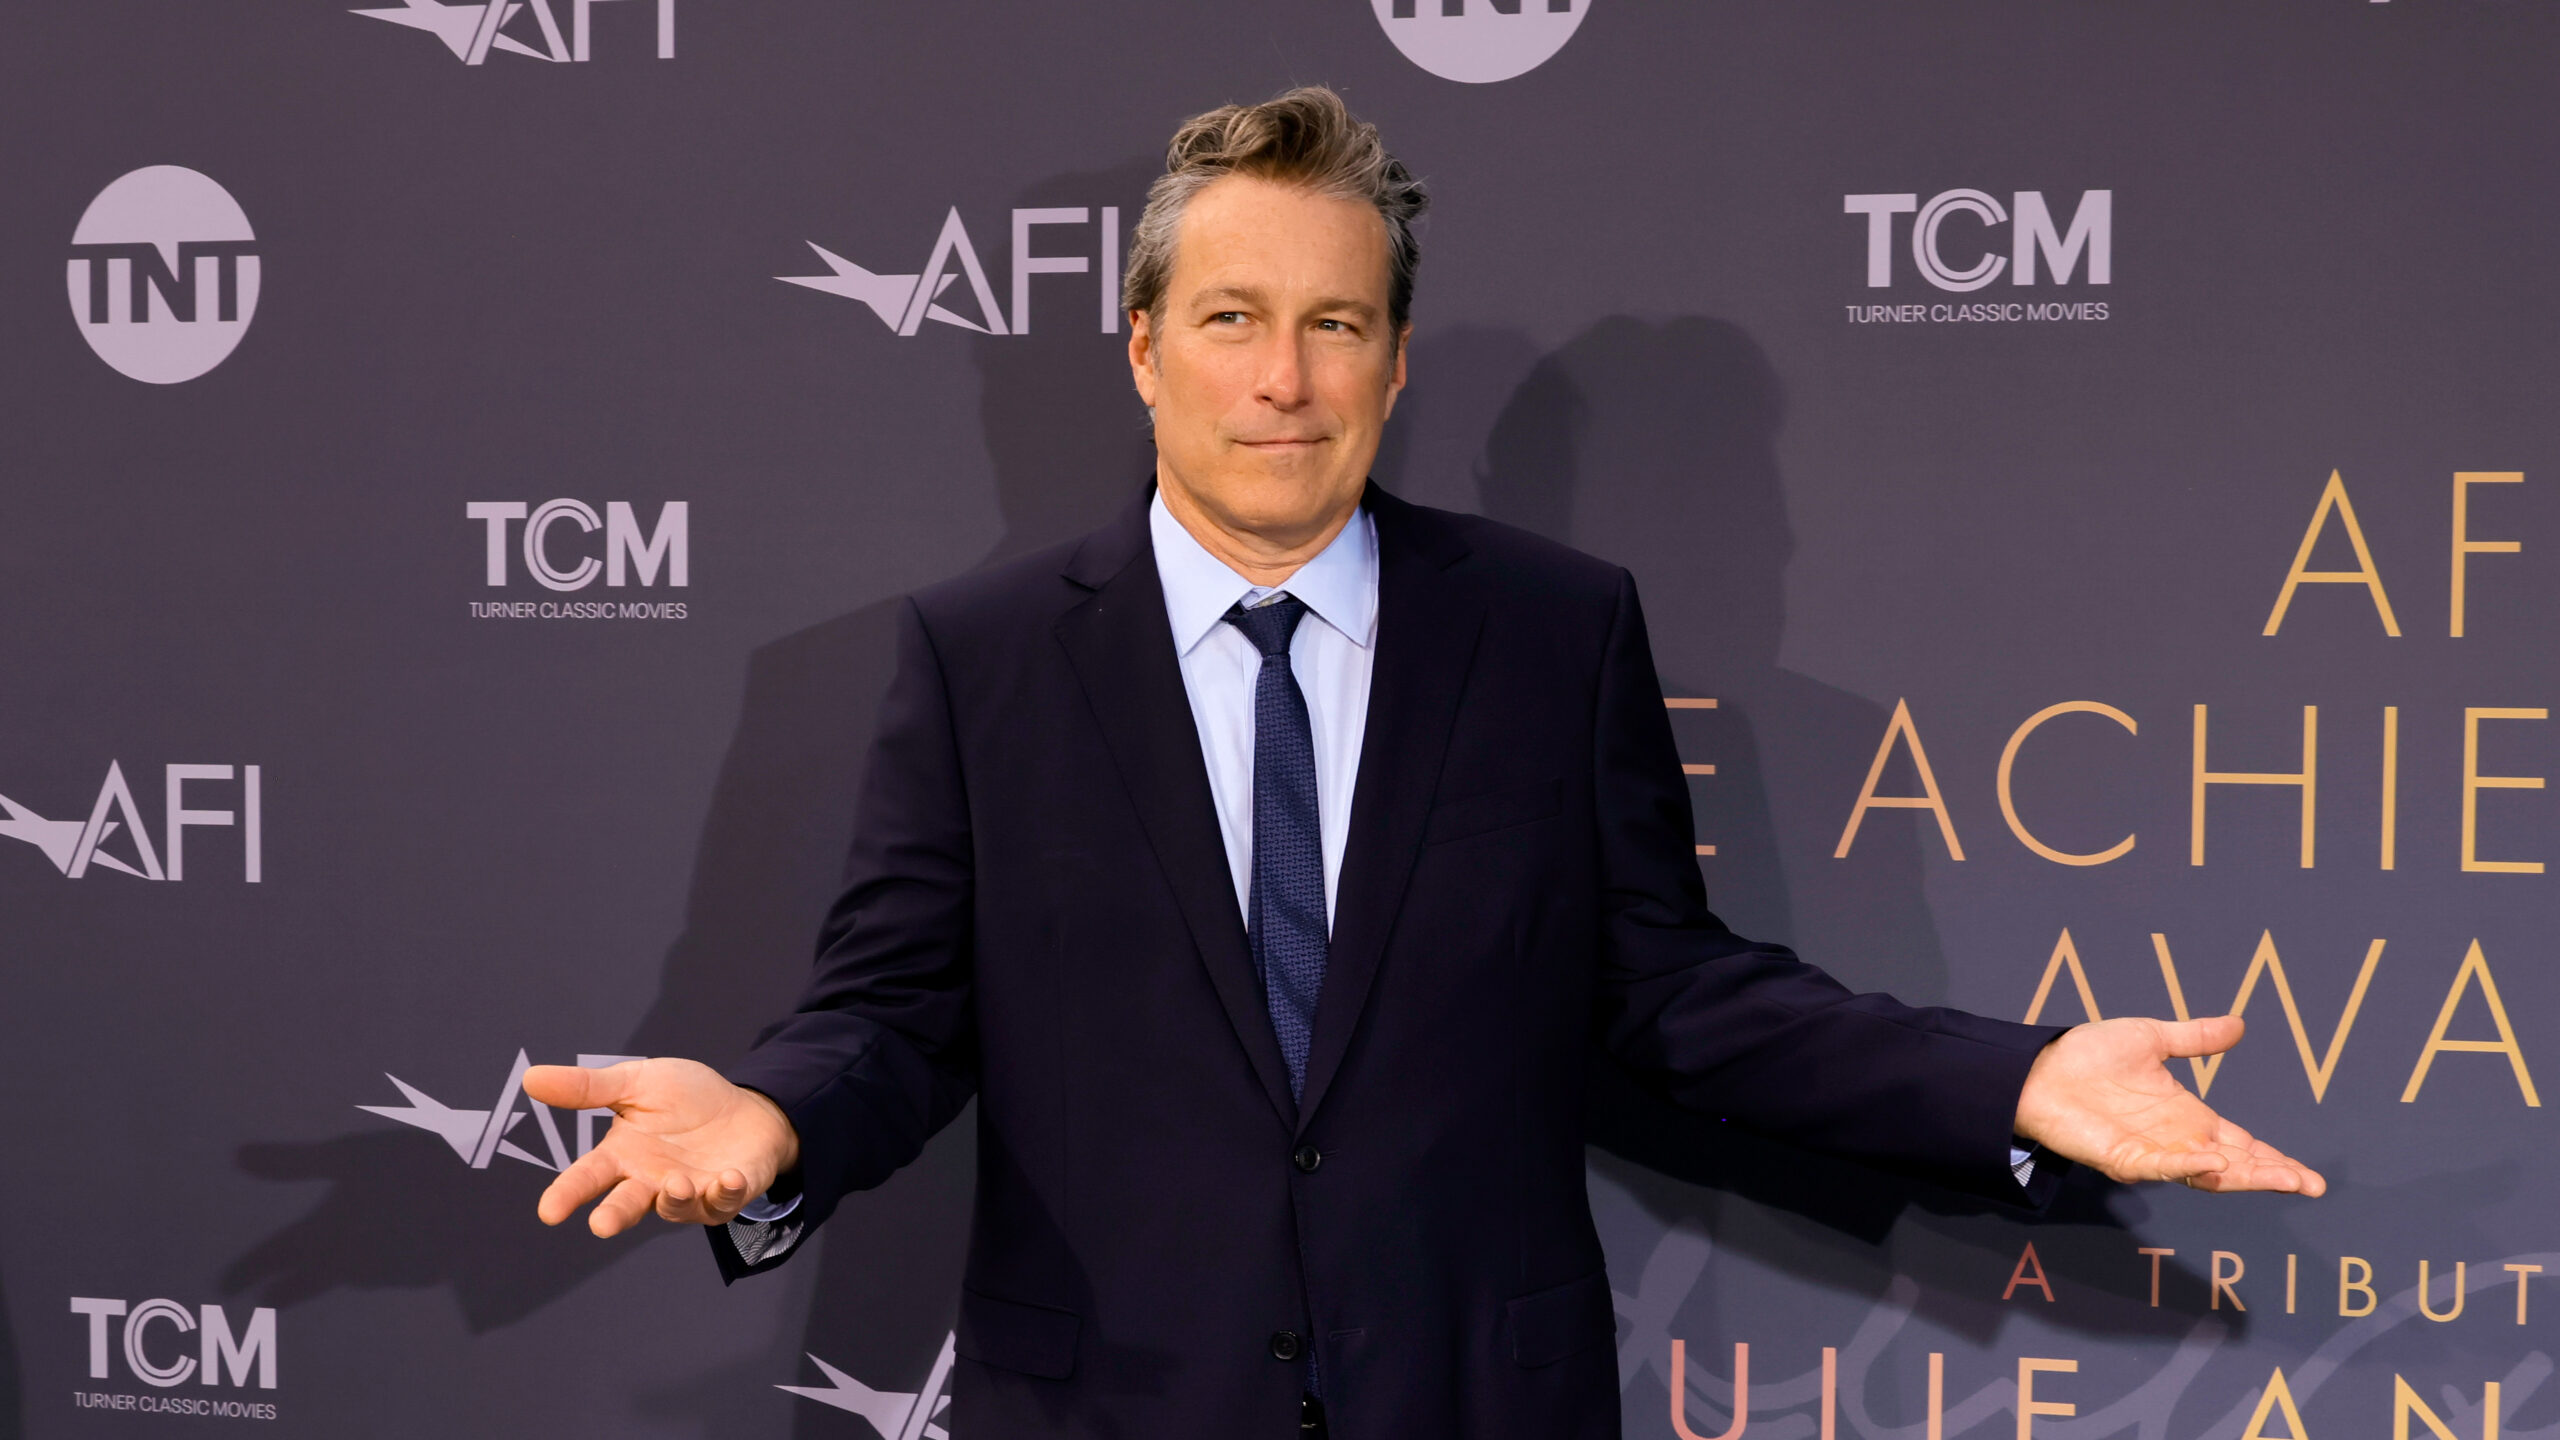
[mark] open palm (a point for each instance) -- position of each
(2102, 1094)
(685, 1143)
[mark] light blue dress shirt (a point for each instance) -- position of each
(1331, 659)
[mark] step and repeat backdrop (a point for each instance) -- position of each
(2092, 471)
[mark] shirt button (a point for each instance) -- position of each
(1284, 1345)
(1307, 1159)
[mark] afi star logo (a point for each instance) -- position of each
(479, 1136)
(895, 1414)
(471, 30)
(77, 846)
(905, 302)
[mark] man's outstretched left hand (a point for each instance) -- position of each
(2102, 1094)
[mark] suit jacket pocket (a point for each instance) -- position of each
(1493, 810)
(1551, 1324)
(1033, 1339)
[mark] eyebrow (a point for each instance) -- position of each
(1252, 296)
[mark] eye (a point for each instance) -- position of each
(1225, 316)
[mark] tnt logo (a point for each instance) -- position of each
(114, 837)
(628, 549)
(2033, 235)
(472, 30)
(1480, 41)
(163, 274)
(905, 302)
(217, 1351)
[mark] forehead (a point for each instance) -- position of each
(1244, 230)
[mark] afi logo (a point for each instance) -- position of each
(74, 846)
(1480, 41)
(472, 30)
(627, 548)
(163, 274)
(896, 1414)
(905, 302)
(219, 1350)
(479, 1136)
(2032, 235)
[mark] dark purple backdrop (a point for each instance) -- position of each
(1645, 326)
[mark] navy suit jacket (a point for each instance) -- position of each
(1039, 913)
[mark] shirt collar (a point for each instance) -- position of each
(1340, 584)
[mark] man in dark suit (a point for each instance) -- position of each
(1267, 865)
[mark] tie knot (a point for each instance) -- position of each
(1270, 625)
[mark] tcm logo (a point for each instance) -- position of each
(77, 846)
(479, 1136)
(1480, 41)
(896, 1414)
(163, 274)
(471, 31)
(2033, 234)
(163, 1326)
(628, 549)
(905, 302)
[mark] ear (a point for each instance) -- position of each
(1142, 357)
(1395, 373)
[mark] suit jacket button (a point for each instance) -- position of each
(1307, 1159)
(1284, 1345)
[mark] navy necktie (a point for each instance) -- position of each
(1284, 911)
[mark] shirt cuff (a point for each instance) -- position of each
(2022, 1163)
(764, 1210)
(758, 1242)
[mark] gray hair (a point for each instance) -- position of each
(1305, 138)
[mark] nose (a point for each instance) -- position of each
(1282, 381)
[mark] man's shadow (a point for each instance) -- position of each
(1069, 446)
(1654, 445)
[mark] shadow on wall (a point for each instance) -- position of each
(1458, 381)
(1654, 445)
(1069, 445)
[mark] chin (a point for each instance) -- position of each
(1278, 496)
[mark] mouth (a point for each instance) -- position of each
(1282, 445)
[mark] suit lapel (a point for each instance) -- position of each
(1428, 622)
(1121, 645)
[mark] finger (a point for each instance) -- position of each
(2190, 1166)
(2243, 1180)
(676, 1199)
(591, 1175)
(2267, 1168)
(2207, 1035)
(579, 1087)
(2246, 1165)
(698, 1200)
(622, 1209)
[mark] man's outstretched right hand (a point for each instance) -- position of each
(685, 1143)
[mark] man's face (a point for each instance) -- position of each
(1273, 370)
